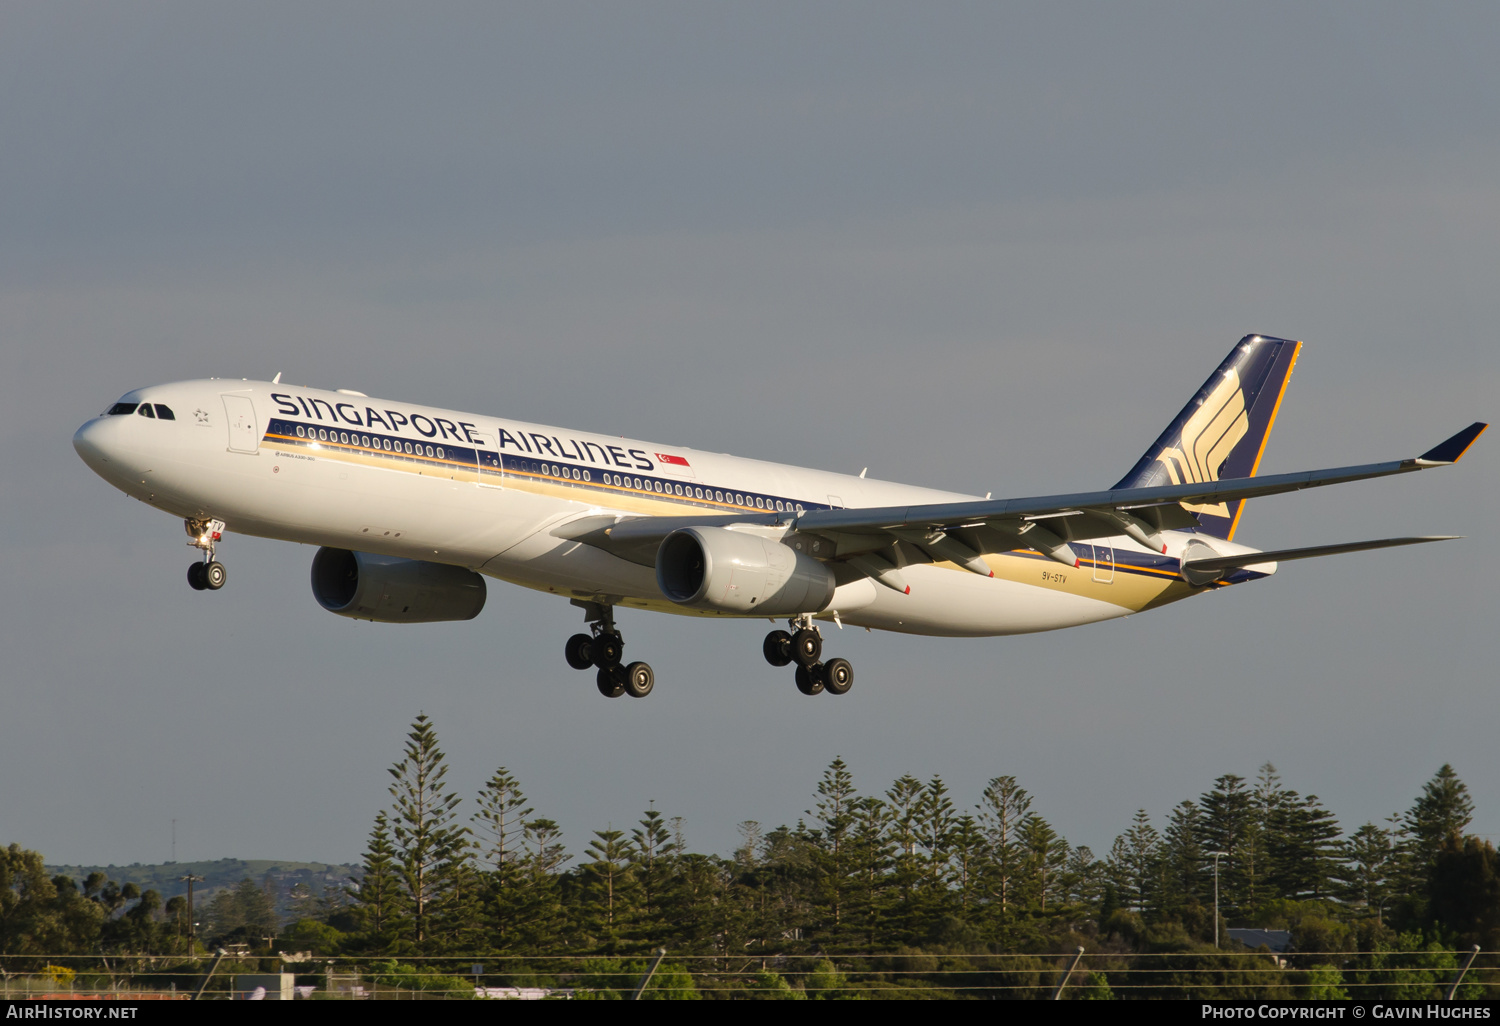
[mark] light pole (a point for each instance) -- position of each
(1216, 856)
(190, 879)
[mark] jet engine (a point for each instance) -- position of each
(740, 572)
(363, 586)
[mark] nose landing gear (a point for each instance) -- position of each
(602, 649)
(803, 646)
(210, 574)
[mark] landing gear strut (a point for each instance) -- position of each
(210, 574)
(803, 646)
(602, 648)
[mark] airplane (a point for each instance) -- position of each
(412, 507)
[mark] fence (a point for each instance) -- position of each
(1418, 975)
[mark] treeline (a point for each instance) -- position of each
(909, 868)
(908, 872)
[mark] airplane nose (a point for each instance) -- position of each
(92, 443)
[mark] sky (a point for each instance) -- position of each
(982, 247)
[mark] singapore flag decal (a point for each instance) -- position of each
(663, 457)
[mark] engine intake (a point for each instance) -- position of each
(364, 586)
(739, 572)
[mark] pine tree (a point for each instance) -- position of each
(1183, 876)
(1082, 881)
(904, 800)
(1444, 808)
(1369, 860)
(1140, 854)
(967, 851)
(652, 863)
(871, 855)
(609, 871)
(1045, 856)
(936, 820)
(1004, 806)
(835, 812)
(1301, 847)
(541, 918)
(500, 843)
(1230, 824)
(430, 848)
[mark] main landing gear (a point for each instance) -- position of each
(602, 649)
(210, 574)
(804, 646)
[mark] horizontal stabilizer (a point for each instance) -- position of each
(1453, 449)
(1245, 559)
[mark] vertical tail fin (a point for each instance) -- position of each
(1222, 432)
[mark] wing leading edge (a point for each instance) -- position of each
(960, 532)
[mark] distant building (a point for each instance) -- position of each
(1276, 940)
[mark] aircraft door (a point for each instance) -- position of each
(239, 412)
(489, 469)
(1104, 564)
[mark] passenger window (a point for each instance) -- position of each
(119, 409)
(164, 412)
(300, 431)
(145, 411)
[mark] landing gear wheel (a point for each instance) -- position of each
(807, 645)
(611, 681)
(195, 576)
(214, 575)
(639, 680)
(810, 679)
(579, 651)
(605, 650)
(778, 648)
(838, 676)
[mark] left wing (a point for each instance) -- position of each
(961, 532)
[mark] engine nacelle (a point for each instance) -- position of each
(389, 589)
(740, 572)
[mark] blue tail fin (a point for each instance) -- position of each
(1222, 432)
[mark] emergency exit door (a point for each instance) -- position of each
(239, 412)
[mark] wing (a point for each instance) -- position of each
(876, 541)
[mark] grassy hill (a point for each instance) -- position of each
(219, 874)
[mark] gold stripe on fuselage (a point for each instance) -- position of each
(1136, 588)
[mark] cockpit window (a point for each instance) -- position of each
(164, 412)
(120, 408)
(145, 411)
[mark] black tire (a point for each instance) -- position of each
(838, 676)
(610, 683)
(810, 679)
(195, 576)
(578, 651)
(777, 648)
(606, 650)
(639, 680)
(214, 575)
(807, 646)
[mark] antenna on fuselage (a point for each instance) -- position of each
(277, 379)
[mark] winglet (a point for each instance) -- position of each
(1452, 450)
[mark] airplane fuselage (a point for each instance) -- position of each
(497, 496)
